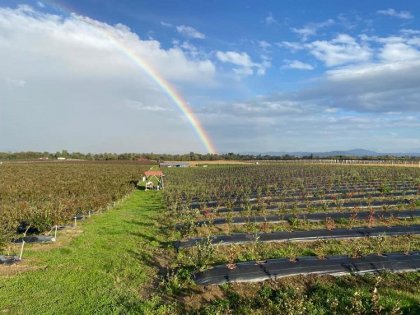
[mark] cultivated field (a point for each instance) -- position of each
(249, 228)
(41, 195)
(226, 239)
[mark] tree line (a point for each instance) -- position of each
(191, 156)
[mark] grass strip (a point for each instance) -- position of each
(106, 269)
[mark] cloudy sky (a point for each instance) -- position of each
(259, 75)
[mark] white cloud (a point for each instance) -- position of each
(284, 122)
(349, 21)
(75, 75)
(269, 19)
(190, 32)
(392, 52)
(311, 29)
(267, 108)
(49, 35)
(379, 81)
(264, 45)
(245, 66)
(293, 46)
(341, 50)
(264, 65)
(406, 15)
(396, 48)
(296, 64)
(188, 48)
(327, 114)
(387, 86)
(239, 59)
(410, 31)
(165, 24)
(258, 108)
(372, 90)
(387, 83)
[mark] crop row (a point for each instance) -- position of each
(41, 195)
(285, 211)
(239, 182)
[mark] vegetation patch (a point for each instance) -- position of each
(111, 267)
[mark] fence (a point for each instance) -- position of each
(353, 162)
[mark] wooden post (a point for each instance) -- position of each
(75, 221)
(21, 250)
(26, 231)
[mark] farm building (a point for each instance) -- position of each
(153, 180)
(174, 164)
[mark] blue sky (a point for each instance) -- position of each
(260, 75)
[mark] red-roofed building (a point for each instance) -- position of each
(151, 175)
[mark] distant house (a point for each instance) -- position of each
(174, 164)
(61, 158)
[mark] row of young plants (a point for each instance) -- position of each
(42, 195)
(206, 254)
(298, 196)
(304, 197)
(244, 182)
(294, 224)
(320, 188)
(235, 186)
(265, 207)
(189, 221)
(409, 201)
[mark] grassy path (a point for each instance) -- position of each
(104, 270)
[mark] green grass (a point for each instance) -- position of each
(107, 269)
(395, 294)
(112, 267)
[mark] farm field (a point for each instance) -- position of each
(209, 157)
(226, 239)
(40, 195)
(239, 223)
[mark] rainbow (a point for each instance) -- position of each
(154, 75)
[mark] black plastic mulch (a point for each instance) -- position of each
(35, 239)
(302, 236)
(8, 260)
(333, 265)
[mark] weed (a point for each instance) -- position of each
(329, 223)
(377, 244)
(321, 249)
(205, 252)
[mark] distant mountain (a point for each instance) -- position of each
(353, 152)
